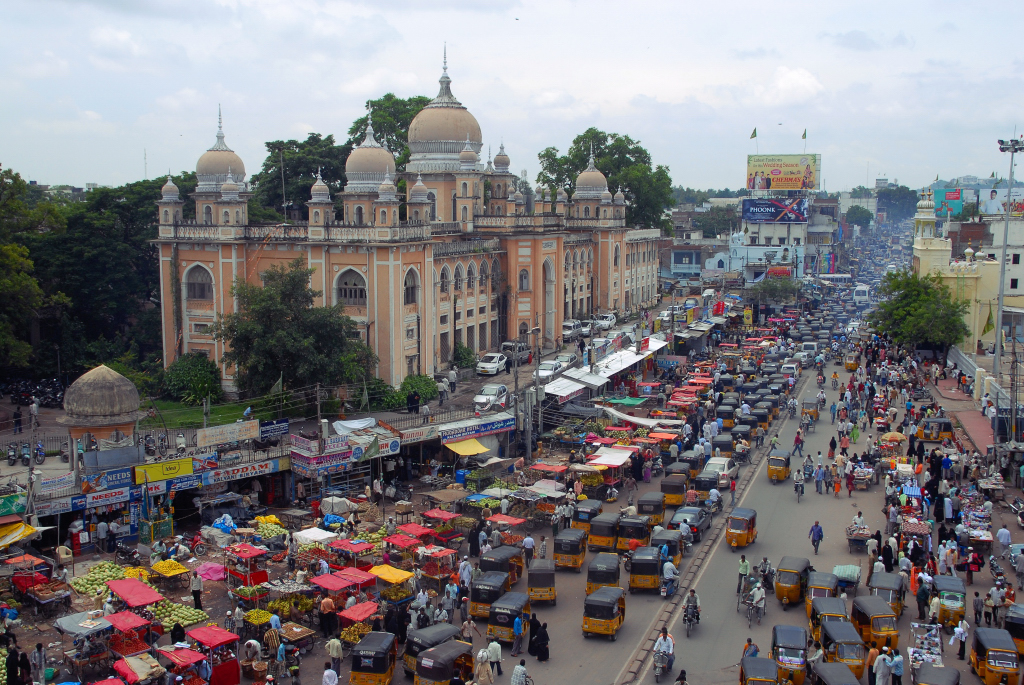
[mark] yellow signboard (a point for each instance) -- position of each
(748, 317)
(783, 172)
(689, 314)
(163, 470)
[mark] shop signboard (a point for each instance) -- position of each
(13, 504)
(261, 468)
(61, 505)
(303, 445)
(65, 480)
(134, 516)
(387, 446)
(163, 470)
(273, 429)
(785, 210)
(229, 432)
(204, 462)
(336, 443)
(783, 172)
(421, 434)
(114, 496)
(113, 478)
(477, 428)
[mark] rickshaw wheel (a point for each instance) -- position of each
(612, 637)
(586, 634)
(775, 481)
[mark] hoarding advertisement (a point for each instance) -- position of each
(783, 172)
(781, 210)
(949, 201)
(993, 202)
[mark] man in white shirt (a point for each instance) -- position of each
(1003, 536)
(667, 645)
(330, 677)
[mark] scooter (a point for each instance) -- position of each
(668, 587)
(26, 454)
(656, 467)
(126, 555)
(180, 443)
(12, 454)
(196, 544)
(660, 664)
(40, 456)
(162, 444)
(150, 445)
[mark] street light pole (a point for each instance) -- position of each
(1013, 145)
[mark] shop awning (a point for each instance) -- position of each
(440, 514)
(390, 574)
(181, 657)
(628, 401)
(551, 468)
(507, 520)
(719, 320)
(360, 612)
(126, 620)
(212, 636)
(354, 575)
(352, 547)
(414, 529)
(647, 423)
(611, 460)
(564, 389)
(402, 541)
(655, 344)
(311, 535)
(244, 550)
(13, 532)
(134, 592)
(81, 624)
(331, 582)
(583, 375)
(618, 362)
(467, 447)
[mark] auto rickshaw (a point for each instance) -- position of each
(1013, 623)
(778, 465)
(695, 462)
(809, 408)
(820, 584)
(762, 416)
(842, 644)
(586, 511)
(604, 611)
(570, 548)
(418, 641)
(678, 468)
(935, 430)
(673, 487)
(603, 570)
(930, 674)
(789, 649)
(952, 600)
(633, 528)
(891, 588)
(503, 614)
(673, 539)
(741, 528)
(850, 363)
(994, 656)
(604, 532)
(758, 670)
(875, 620)
(704, 483)
(505, 559)
(824, 610)
(439, 665)
(540, 581)
(791, 580)
(645, 569)
(373, 659)
(486, 590)
(652, 505)
(835, 674)
(723, 444)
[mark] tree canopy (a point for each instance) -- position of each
(627, 166)
(899, 202)
(774, 289)
(859, 216)
(277, 332)
(919, 310)
(301, 162)
(717, 221)
(391, 118)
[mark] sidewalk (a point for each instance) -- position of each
(977, 427)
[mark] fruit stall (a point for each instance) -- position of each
(221, 647)
(294, 605)
(134, 593)
(182, 663)
(355, 553)
(359, 613)
(503, 522)
(393, 584)
(417, 531)
(438, 564)
(445, 531)
(250, 595)
(134, 634)
(50, 597)
(169, 572)
(255, 622)
(82, 627)
(333, 585)
(245, 565)
(399, 548)
(361, 579)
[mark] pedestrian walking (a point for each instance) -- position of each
(960, 635)
(517, 632)
(528, 546)
(732, 490)
(896, 667)
(336, 651)
(1003, 536)
(494, 655)
(870, 662)
(453, 378)
(197, 590)
(37, 660)
(798, 444)
(744, 571)
(483, 673)
(882, 668)
(816, 535)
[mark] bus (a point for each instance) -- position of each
(842, 280)
(861, 296)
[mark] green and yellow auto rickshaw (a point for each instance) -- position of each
(441, 664)
(633, 528)
(421, 639)
(820, 584)
(503, 614)
(673, 487)
(673, 540)
(826, 610)
(890, 587)
(758, 670)
(875, 620)
(952, 600)
(835, 674)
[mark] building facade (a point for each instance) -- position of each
(468, 264)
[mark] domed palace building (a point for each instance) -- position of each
(471, 263)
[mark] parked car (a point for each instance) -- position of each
(725, 467)
(696, 519)
(516, 350)
(586, 329)
(492, 364)
(568, 359)
(571, 329)
(605, 321)
(491, 396)
(548, 370)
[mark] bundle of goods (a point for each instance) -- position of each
(249, 592)
(269, 527)
(311, 553)
(510, 539)
(486, 503)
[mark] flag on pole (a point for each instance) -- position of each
(804, 136)
(990, 322)
(372, 450)
(278, 386)
(754, 134)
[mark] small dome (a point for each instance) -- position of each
(606, 198)
(501, 160)
(519, 198)
(386, 185)
(320, 192)
(591, 182)
(370, 156)
(419, 191)
(229, 189)
(562, 196)
(101, 397)
(467, 158)
(169, 191)
(213, 167)
(540, 193)
(620, 199)
(926, 201)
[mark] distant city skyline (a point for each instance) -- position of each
(903, 91)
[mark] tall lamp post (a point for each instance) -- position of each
(1013, 146)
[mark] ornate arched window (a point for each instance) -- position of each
(411, 283)
(497, 190)
(199, 284)
(586, 212)
(207, 215)
(465, 213)
(238, 216)
(445, 278)
(167, 216)
(352, 288)
(316, 216)
(465, 189)
(524, 280)
(470, 277)
(227, 217)
(524, 330)
(615, 260)
(458, 277)
(359, 215)
(416, 215)
(383, 217)
(483, 274)
(433, 205)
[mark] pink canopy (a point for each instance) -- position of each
(360, 612)
(440, 514)
(331, 582)
(244, 550)
(351, 547)
(212, 636)
(181, 657)
(134, 592)
(415, 529)
(354, 575)
(126, 620)
(402, 541)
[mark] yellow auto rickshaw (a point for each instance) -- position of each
(505, 559)
(373, 659)
(757, 670)
(604, 611)
(823, 610)
(952, 600)
(778, 465)
(891, 588)
(449, 660)
(850, 364)
(842, 644)
(704, 483)
(603, 570)
(570, 548)
(722, 445)
(994, 657)
(1013, 623)
(875, 620)
(930, 674)
(604, 532)
(586, 511)
(935, 430)
(674, 543)
(633, 528)
(789, 649)
(645, 569)
(741, 528)
(809, 408)
(485, 590)
(791, 580)
(652, 505)
(762, 416)
(696, 463)
(674, 489)
(503, 615)
(540, 581)
(820, 584)
(420, 640)
(835, 674)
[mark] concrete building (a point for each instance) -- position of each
(786, 250)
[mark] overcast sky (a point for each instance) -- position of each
(904, 89)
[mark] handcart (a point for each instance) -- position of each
(170, 572)
(51, 599)
(221, 648)
(79, 627)
(245, 565)
(849, 577)
(445, 533)
(438, 564)
(141, 668)
(857, 537)
(862, 478)
(300, 637)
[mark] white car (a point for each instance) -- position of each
(605, 321)
(491, 396)
(492, 364)
(586, 329)
(568, 359)
(548, 370)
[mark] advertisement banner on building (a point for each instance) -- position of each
(229, 432)
(13, 504)
(780, 272)
(949, 201)
(386, 447)
(748, 316)
(993, 202)
(783, 172)
(114, 478)
(57, 482)
(787, 210)
(336, 443)
(303, 445)
(424, 433)
(273, 429)
(262, 468)
(61, 505)
(204, 463)
(477, 428)
(164, 470)
(98, 499)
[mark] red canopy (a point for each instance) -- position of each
(553, 468)
(440, 514)
(603, 441)
(617, 428)
(415, 529)
(134, 592)
(443, 552)
(181, 657)
(331, 582)
(352, 547)
(510, 520)
(108, 681)
(244, 550)
(354, 575)
(23, 581)
(126, 620)
(402, 541)
(360, 612)
(212, 636)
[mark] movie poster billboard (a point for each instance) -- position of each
(783, 172)
(992, 202)
(783, 210)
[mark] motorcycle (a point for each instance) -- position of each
(656, 467)
(821, 382)
(26, 454)
(12, 454)
(835, 383)
(626, 557)
(768, 580)
(668, 587)
(713, 507)
(40, 456)
(162, 443)
(180, 443)
(660, 664)
(196, 544)
(150, 444)
(126, 555)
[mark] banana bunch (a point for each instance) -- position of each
(258, 617)
(169, 567)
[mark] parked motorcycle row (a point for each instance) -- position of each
(49, 392)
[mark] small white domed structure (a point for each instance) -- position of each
(367, 165)
(213, 167)
(591, 183)
(100, 398)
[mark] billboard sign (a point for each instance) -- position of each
(948, 201)
(777, 210)
(783, 172)
(273, 429)
(231, 432)
(993, 202)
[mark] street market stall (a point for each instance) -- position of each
(141, 668)
(245, 565)
(89, 649)
(445, 532)
(299, 636)
(400, 547)
(221, 648)
(352, 553)
(183, 663)
(393, 584)
(134, 634)
(169, 572)
(134, 593)
(437, 564)
(361, 579)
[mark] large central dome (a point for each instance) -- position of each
(439, 132)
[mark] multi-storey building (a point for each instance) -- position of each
(468, 263)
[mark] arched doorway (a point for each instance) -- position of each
(549, 304)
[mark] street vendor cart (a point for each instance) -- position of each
(134, 593)
(351, 553)
(857, 537)
(400, 547)
(444, 532)
(438, 564)
(171, 572)
(88, 651)
(140, 668)
(50, 598)
(182, 662)
(133, 634)
(393, 584)
(300, 637)
(245, 565)
(221, 648)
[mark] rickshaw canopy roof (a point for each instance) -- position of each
(706, 478)
(789, 636)
(633, 521)
(798, 564)
(504, 553)
(666, 535)
(541, 574)
(490, 579)
(994, 638)
(742, 513)
(951, 584)
(929, 674)
(760, 668)
(829, 605)
(571, 534)
(437, 663)
(1015, 614)
(652, 498)
(432, 635)
(605, 561)
(722, 439)
(842, 631)
(376, 644)
(886, 581)
(823, 579)
(779, 454)
(809, 403)
(646, 554)
(590, 504)
(834, 673)
(608, 518)
(606, 595)
(872, 605)
(511, 602)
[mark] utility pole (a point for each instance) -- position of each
(1013, 145)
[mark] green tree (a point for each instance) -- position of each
(20, 209)
(774, 290)
(969, 212)
(278, 332)
(859, 216)
(20, 296)
(919, 310)
(302, 160)
(391, 118)
(626, 165)
(717, 221)
(860, 192)
(192, 378)
(899, 202)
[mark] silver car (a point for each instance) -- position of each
(492, 364)
(548, 370)
(491, 396)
